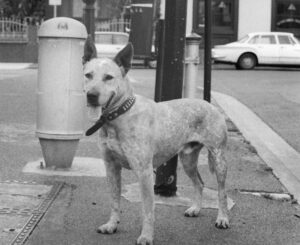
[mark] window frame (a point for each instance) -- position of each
(276, 17)
(232, 28)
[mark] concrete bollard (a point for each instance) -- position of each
(192, 62)
(60, 94)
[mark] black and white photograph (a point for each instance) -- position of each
(149, 122)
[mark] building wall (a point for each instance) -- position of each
(21, 52)
(254, 15)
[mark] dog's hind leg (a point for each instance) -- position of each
(189, 159)
(217, 164)
(113, 172)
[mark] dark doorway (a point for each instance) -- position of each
(224, 20)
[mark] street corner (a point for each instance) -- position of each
(261, 140)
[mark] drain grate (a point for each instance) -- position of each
(23, 205)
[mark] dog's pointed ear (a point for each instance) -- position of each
(124, 57)
(90, 51)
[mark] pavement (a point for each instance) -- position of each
(45, 206)
(15, 66)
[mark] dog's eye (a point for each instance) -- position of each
(107, 77)
(89, 76)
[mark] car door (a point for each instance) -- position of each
(267, 49)
(289, 52)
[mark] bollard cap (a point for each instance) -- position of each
(62, 27)
(193, 37)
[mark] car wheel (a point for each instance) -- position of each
(246, 62)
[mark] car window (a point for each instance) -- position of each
(254, 40)
(284, 39)
(103, 38)
(120, 39)
(243, 39)
(292, 40)
(267, 39)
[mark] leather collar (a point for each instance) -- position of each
(127, 104)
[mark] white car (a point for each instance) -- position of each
(260, 48)
(108, 44)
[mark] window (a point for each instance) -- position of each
(263, 39)
(286, 16)
(222, 14)
(254, 40)
(224, 17)
(284, 39)
(267, 39)
(243, 39)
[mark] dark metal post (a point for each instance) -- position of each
(160, 39)
(169, 81)
(89, 17)
(207, 51)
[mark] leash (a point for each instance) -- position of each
(127, 104)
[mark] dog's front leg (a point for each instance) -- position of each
(145, 177)
(113, 172)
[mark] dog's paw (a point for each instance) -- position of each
(143, 240)
(222, 223)
(107, 229)
(192, 211)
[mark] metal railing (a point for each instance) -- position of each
(116, 25)
(13, 30)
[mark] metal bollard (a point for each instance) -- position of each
(60, 94)
(192, 62)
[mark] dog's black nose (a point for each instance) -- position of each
(92, 98)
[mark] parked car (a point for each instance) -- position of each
(260, 48)
(108, 44)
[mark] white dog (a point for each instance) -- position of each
(138, 134)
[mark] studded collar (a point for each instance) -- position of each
(127, 104)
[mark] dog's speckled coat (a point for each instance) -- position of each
(149, 134)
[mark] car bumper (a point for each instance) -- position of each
(223, 56)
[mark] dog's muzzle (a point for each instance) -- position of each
(92, 99)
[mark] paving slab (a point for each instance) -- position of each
(22, 205)
(81, 166)
(184, 197)
(15, 66)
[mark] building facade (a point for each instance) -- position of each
(232, 19)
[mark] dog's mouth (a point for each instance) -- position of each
(94, 112)
(94, 109)
(93, 100)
